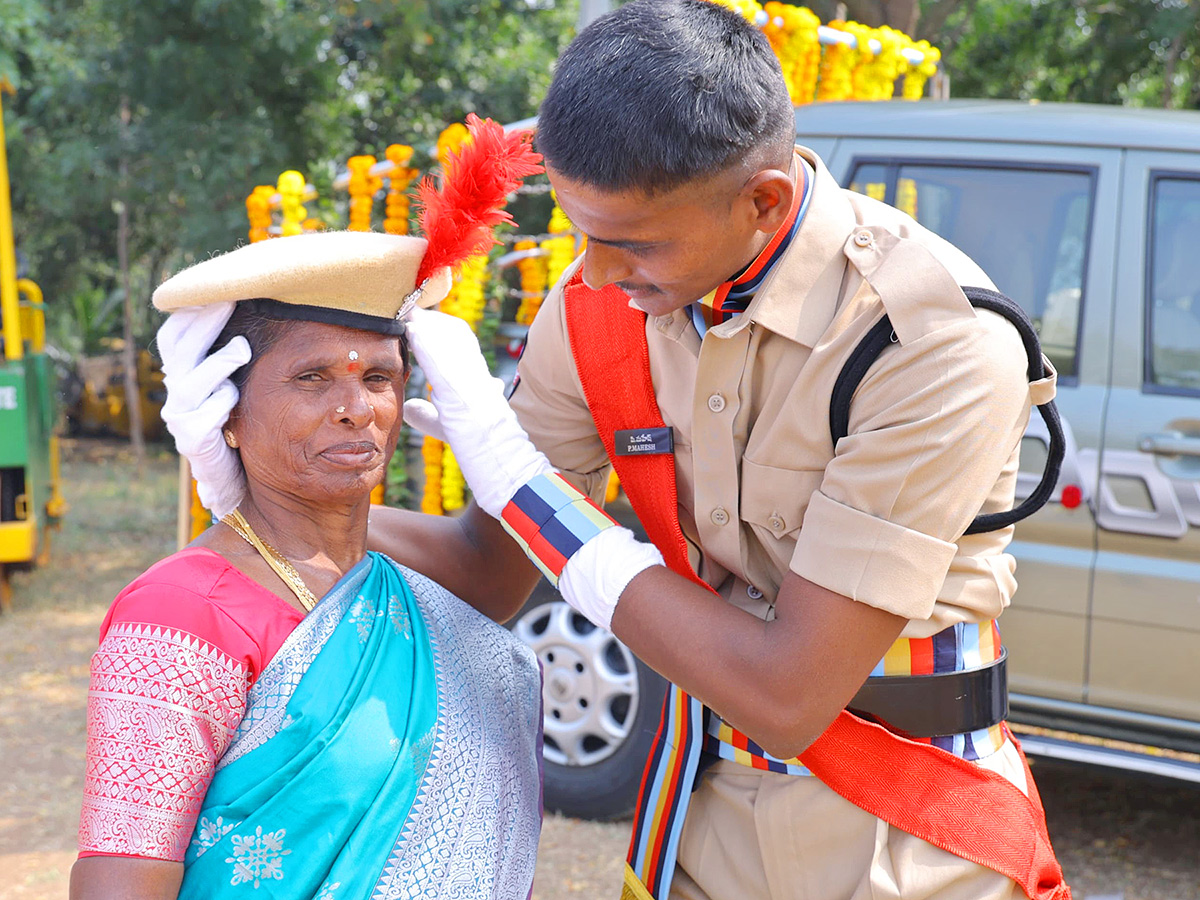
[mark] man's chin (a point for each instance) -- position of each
(653, 303)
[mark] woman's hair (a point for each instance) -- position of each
(262, 331)
(662, 92)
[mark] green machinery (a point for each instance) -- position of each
(30, 503)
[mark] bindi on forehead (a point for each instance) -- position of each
(354, 364)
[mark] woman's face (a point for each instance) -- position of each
(320, 413)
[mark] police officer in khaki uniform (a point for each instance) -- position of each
(668, 136)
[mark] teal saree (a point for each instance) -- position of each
(391, 749)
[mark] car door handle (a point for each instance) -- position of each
(1169, 443)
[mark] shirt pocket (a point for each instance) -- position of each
(773, 500)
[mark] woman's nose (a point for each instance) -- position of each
(603, 266)
(354, 404)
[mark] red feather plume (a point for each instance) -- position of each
(458, 219)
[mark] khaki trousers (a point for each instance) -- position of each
(753, 835)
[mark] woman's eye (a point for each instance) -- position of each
(310, 377)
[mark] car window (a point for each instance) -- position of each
(1173, 285)
(1027, 228)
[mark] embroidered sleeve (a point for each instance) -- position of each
(162, 707)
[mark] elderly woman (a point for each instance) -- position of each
(275, 708)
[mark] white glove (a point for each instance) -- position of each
(423, 416)
(200, 397)
(597, 573)
(469, 411)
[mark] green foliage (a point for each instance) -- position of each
(198, 101)
(1137, 52)
(411, 68)
(397, 488)
(221, 95)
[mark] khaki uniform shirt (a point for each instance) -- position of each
(935, 426)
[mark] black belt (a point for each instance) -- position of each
(931, 705)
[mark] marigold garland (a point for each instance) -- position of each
(751, 10)
(562, 248)
(837, 71)
(889, 64)
(454, 486)
(446, 490)
(445, 487)
(362, 188)
(291, 202)
(258, 211)
(466, 299)
(432, 452)
(836, 81)
(451, 139)
(793, 33)
(533, 273)
(917, 75)
(396, 204)
(613, 488)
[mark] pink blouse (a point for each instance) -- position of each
(179, 649)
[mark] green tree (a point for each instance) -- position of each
(409, 69)
(216, 100)
(222, 95)
(1138, 52)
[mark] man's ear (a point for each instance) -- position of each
(770, 192)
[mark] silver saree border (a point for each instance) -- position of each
(472, 833)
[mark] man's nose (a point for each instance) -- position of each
(603, 266)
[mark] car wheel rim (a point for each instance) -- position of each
(590, 687)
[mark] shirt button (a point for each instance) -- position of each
(752, 592)
(719, 516)
(716, 403)
(864, 239)
(776, 523)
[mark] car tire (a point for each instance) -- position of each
(601, 709)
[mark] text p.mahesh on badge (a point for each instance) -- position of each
(640, 441)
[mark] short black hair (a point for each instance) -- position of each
(661, 92)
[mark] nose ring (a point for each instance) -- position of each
(340, 409)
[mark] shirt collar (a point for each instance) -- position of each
(798, 298)
(751, 278)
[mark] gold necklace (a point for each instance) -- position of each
(276, 560)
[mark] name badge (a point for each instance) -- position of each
(639, 441)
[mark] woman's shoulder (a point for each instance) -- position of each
(457, 620)
(195, 569)
(427, 591)
(199, 594)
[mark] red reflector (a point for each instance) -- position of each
(1072, 496)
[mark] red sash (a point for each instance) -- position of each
(949, 802)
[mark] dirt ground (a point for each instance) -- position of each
(1118, 837)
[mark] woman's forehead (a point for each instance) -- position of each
(309, 338)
